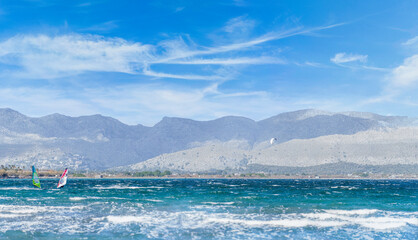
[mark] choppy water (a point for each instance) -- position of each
(209, 209)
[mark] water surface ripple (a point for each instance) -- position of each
(209, 209)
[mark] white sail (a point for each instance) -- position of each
(63, 179)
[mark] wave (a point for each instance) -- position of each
(83, 198)
(2, 215)
(283, 223)
(125, 219)
(77, 198)
(362, 221)
(18, 188)
(153, 200)
(353, 212)
(125, 187)
(326, 219)
(5, 198)
(219, 203)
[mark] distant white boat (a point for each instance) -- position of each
(63, 179)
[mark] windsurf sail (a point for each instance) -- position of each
(63, 179)
(35, 178)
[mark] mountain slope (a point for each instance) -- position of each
(99, 142)
(394, 146)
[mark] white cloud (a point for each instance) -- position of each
(348, 57)
(51, 57)
(184, 52)
(411, 41)
(43, 56)
(239, 25)
(406, 74)
(229, 61)
(46, 57)
(148, 72)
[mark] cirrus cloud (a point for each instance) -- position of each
(42, 56)
(50, 57)
(348, 57)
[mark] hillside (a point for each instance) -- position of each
(373, 147)
(98, 142)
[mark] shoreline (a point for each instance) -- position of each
(54, 174)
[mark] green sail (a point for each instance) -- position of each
(35, 178)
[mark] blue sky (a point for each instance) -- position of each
(139, 61)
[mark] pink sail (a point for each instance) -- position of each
(63, 179)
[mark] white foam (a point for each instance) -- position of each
(383, 223)
(353, 212)
(19, 188)
(124, 219)
(2, 215)
(219, 203)
(77, 198)
(25, 211)
(248, 197)
(83, 198)
(153, 200)
(125, 187)
(292, 223)
(6, 198)
(362, 217)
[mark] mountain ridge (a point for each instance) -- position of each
(101, 142)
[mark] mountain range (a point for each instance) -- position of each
(229, 143)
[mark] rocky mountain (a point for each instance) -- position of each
(98, 142)
(372, 147)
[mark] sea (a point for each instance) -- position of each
(209, 209)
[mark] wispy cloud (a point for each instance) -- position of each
(85, 4)
(49, 57)
(101, 27)
(410, 42)
(406, 74)
(355, 62)
(401, 82)
(348, 57)
(186, 53)
(179, 9)
(148, 72)
(229, 61)
(239, 27)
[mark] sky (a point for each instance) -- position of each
(138, 61)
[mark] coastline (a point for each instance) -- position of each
(54, 174)
(229, 178)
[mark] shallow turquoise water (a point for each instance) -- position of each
(209, 209)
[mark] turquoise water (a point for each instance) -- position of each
(209, 209)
